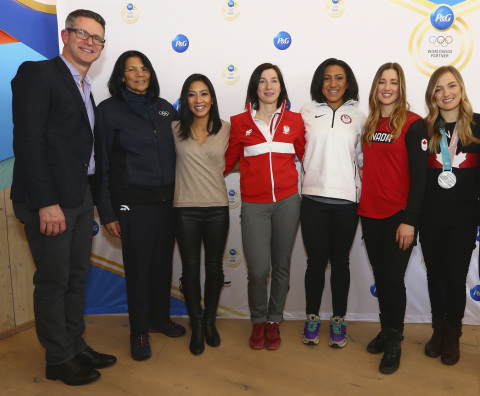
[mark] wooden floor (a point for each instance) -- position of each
(235, 369)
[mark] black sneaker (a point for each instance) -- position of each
(167, 327)
(140, 347)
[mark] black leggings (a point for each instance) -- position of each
(447, 252)
(194, 224)
(328, 231)
(389, 264)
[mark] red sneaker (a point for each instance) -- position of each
(272, 339)
(257, 339)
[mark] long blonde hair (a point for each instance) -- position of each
(398, 118)
(465, 114)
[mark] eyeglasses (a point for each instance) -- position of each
(135, 70)
(84, 35)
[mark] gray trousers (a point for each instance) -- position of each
(268, 235)
(62, 262)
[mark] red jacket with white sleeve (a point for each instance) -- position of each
(268, 172)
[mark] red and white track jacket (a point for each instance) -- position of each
(268, 172)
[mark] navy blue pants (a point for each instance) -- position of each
(147, 248)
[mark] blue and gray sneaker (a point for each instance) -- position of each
(140, 347)
(310, 333)
(338, 332)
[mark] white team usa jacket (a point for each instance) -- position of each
(333, 151)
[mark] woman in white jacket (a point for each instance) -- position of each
(330, 191)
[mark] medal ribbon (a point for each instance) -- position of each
(448, 152)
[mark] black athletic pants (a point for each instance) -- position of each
(328, 231)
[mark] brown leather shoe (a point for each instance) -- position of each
(433, 348)
(451, 344)
(73, 372)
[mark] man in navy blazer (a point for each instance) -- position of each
(53, 116)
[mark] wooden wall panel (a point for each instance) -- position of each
(22, 267)
(7, 317)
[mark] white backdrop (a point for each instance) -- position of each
(242, 35)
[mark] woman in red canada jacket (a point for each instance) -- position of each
(266, 138)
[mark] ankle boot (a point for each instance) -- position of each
(451, 344)
(377, 345)
(433, 348)
(191, 292)
(393, 351)
(213, 287)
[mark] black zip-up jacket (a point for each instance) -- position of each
(134, 156)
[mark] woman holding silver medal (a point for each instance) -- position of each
(448, 225)
(394, 172)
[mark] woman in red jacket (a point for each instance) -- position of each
(266, 138)
(394, 173)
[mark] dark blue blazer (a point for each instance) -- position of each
(52, 137)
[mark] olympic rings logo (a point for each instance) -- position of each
(440, 41)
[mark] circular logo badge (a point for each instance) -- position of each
(230, 10)
(96, 228)
(442, 17)
(475, 293)
(335, 8)
(230, 75)
(130, 13)
(180, 43)
(373, 290)
(232, 258)
(346, 119)
(233, 199)
(282, 41)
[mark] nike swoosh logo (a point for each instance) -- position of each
(319, 116)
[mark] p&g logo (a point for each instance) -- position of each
(442, 18)
(475, 293)
(96, 228)
(373, 290)
(180, 43)
(282, 41)
(176, 104)
(232, 258)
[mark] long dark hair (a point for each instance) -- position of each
(186, 115)
(252, 96)
(316, 88)
(116, 84)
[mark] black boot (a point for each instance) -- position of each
(433, 348)
(377, 345)
(213, 287)
(393, 351)
(451, 344)
(191, 292)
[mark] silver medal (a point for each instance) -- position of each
(447, 179)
